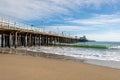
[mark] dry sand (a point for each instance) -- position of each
(14, 67)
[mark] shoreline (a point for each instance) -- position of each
(24, 52)
(19, 67)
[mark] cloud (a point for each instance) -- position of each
(31, 10)
(69, 28)
(98, 27)
(107, 27)
(38, 9)
(100, 20)
(92, 33)
(103, 36)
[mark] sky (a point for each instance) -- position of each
(97, 19)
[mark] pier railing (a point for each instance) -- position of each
(4, 22)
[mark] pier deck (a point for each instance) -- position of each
(18, 34)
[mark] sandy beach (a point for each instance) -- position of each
(16, 67)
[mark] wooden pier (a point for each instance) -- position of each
(15, 34)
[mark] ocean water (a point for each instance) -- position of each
(114, 45)
(110, 54)
(106, 57)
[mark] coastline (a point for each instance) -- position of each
(24, 52)
(34, 52)
(19, 67)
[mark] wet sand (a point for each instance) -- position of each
(18, 67)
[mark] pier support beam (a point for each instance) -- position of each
(60, 40)
(48, 40)
(25, 40)
(10, 40)
(3, 40)
(16, 40)
(45, 40)
(51, 40)
(30, 40)
(55, 40)
(39, 40)
(35, 40)
(42, 40)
